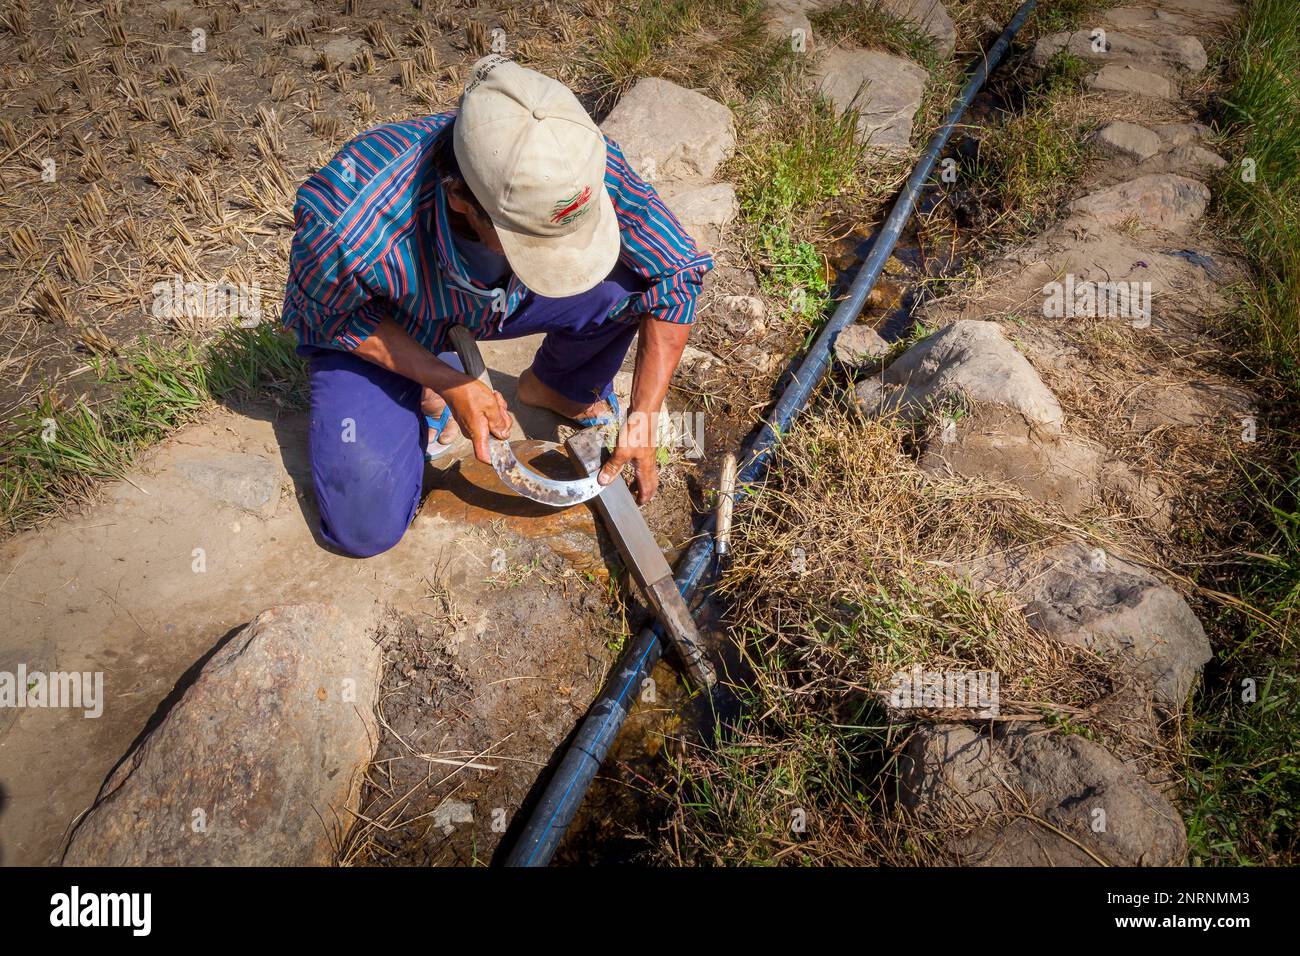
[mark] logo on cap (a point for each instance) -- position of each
(567, 210)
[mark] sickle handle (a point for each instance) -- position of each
(462, 340)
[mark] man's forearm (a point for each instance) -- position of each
(659, 348)
(390, 346)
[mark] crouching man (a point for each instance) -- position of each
(512, 215)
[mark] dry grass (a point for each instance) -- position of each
(848, 568)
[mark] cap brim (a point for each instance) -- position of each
(560, 266)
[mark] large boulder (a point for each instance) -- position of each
(885, 91)
(970, 360)
(1157, 201)
(1027, 798)
(1183, 52)
(259, 761)
(1090, 599)
(668, 132)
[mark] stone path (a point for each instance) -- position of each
(1029, 390)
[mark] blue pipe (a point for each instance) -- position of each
(564, 793)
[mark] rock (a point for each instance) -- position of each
(1184, 52)
(741, 314)
(1092, 806)
(754, 357)
(451, 812)
(784, 17)
(242, 481)
(696, 362)
(932, 18)
(1158, 201)
(1117, 78)
(1069, 473)
(969, 359)
(885, 90)
(860, 345)
(705, 211)
(1120, 611)
(1145, 21)
(1087, 598)
(671, 133)
(1128, 140)
(1195, 157)
(1176, 134)
(259, 761)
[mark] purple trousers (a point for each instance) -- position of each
(367, 433)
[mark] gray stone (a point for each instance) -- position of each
(969, 360)
(1122, 78)
(860, 345)
(1193, 157)
(1177, 134)
(1117, 609)
(265, 750)
(1128, 140)
(1035, 799)
(784, 17)
(247, 482)
(1158, 201)
(885, 90)
(696, 362)
(1183, 52)
(705, 211)
(671, 133)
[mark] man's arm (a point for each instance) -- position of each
(659, 349)
(478, 410)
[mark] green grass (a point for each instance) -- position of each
(1028, 159)
(59, 451)
(864, 23)
(1243, 782)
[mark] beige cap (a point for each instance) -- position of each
(536, 162)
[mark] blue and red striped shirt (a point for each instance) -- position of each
(373, 240)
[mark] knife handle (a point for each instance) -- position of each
(471, 360)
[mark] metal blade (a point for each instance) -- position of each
(530, 484)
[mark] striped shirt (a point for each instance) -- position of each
(373, 240)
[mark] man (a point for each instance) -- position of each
(511, 216)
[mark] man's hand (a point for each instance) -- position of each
(636, 445)
(480, 412)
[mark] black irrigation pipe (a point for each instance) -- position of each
(564, 793)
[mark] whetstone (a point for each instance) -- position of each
(647, 563)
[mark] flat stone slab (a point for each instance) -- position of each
(1157, 201)
(668, 132)
(1127, 140)
(930, 16)
(1122, 78)
(1176, 52)
(885, 90)
(260, 761)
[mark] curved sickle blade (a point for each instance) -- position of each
(526, 482)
